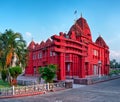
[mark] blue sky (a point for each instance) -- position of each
(40, 19)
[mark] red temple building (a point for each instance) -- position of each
(75, 54)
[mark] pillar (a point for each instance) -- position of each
(62, 75)
(82, 67)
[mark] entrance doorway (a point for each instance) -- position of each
(67, 69)
(95, 69)
(34, 70)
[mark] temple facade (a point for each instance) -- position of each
(75, 54)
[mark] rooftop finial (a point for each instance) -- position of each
(75, 13)
(81, 15)
(32, 38)
(99, 34)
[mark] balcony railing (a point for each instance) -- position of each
(68, 59)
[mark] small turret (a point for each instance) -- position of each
(99, 41)
(31, 45)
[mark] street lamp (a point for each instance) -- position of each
(114, 65)
(99, 68)
(68, 69)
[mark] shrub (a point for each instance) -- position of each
(48, 73)
(15, 71)
(116, 72)
(4, 74)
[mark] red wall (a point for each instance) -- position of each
(75, 53)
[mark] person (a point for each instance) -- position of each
(40, 79)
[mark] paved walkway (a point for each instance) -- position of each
(102, 92)
(27, 78)
(78, 86)
(34, 79)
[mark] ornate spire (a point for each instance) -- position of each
(81, 15)
(99, 34)
(75, 13)
(81, 27)
(32, 38)
(100, 41)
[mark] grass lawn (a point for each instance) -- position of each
(4, 84)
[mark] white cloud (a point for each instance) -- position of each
(28, 34)
(115, 55)
(114, 39)
(28, 37)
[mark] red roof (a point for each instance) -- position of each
(101, 42)
(81, 28)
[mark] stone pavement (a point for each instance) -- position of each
(102, 92)
(27, 78)
(78, 86)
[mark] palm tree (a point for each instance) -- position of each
(3, 46)
(21, 53)
(16, 47)
(12, 46)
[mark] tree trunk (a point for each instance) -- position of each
(14, 82)
(9, 78)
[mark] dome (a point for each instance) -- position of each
(81, 28)
(99, 41)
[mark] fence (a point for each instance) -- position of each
(23, 90)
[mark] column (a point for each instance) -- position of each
(82, 67)
(62, 75)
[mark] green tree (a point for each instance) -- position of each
(14, 72)
(3, 51)
(4, 74)
(113, 63)
(48, 73)
(12, 46)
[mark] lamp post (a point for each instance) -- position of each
(68, 68)
(114, 65)
(99, 68)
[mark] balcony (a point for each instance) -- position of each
(68, 59)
